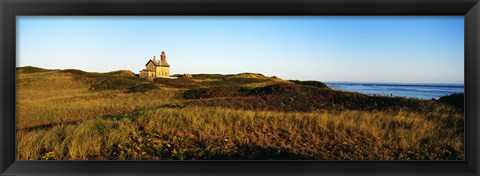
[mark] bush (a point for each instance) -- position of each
(281, 88)
(141, 88)
(311, 83)
(196, 93)
(213, 92)
(292, 97)
(456, 100)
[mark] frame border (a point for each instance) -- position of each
(9, 9)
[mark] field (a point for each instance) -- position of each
(77, 115)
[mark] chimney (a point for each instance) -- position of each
(163, 57)
(154, 58)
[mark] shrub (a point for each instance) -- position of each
(196, 93)
(311, 83)
(456, 100)
(213, 92)
(281, 88)
(292, 97)
(141, 88)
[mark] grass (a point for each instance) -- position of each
(228, 117)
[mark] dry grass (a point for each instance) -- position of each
(65, 120)
(220, 133)
(58, 98)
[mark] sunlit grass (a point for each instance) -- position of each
(221, 133)
(60, 118)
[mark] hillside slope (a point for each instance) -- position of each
(72, 114)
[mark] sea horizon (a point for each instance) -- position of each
(408, 90)
(394, 83)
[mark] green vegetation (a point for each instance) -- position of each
(117, 80)
(310, 83)
(76, 115)
(456, 100)
(30, 69)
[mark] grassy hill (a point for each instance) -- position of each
(72, 114)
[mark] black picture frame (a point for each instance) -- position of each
(9, 9)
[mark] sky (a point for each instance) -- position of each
(392, 49)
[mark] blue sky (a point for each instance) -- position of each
(407, 49)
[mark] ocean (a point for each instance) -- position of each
(422, 91)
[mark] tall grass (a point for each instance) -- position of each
(221, 133)
(59, 117)
(55, 98)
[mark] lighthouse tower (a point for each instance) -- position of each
(156, 68)
(164, 69)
